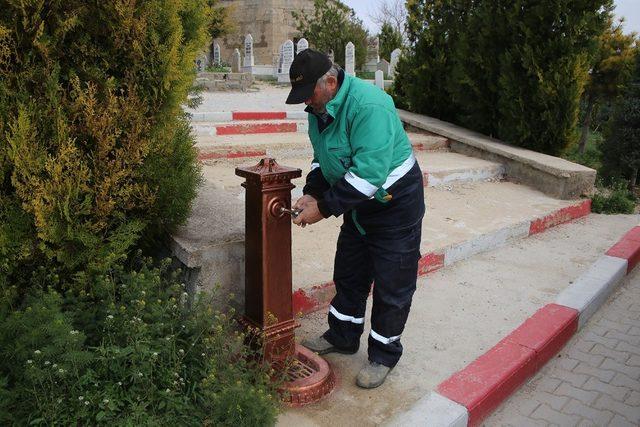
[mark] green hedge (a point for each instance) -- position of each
(514, 70)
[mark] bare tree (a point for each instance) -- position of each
(392, 12)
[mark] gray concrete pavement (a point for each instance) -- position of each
(595, 380)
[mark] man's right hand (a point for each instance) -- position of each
(303, 201)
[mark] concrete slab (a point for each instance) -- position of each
(553, 175)
(458, 314)
(432, 410)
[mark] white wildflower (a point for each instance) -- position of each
(37, 352)
(168, 391)
(74, 332)
(139, 374)
(47, 363)
(181, 351)
(155, 354)
(86, 402)
(105, 401)
(29, 362)
(110, 317)
(81, 398)
(119, 382)
(55, 365)
(61, 370)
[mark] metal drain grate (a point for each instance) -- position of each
(299, 370)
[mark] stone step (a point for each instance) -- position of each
(440, 168)
(230, 116)
(462, 220)
(252, 147)
(246, 127)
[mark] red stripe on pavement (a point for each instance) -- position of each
(259, 115)
(244, 129)
(231, 154)
(547, 331)
(489, 379)
(305, 302)
(560, 217)
(430, 262)
(628, 247)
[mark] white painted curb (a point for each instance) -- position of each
(442, 412)
(297, 115)
(593, 287)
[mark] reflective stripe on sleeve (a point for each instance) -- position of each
(362, 185)
(400, 171)
(315, 166)
(344, 317)
(376, 336)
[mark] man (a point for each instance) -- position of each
(364, 169)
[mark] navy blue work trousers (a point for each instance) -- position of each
(389, 259)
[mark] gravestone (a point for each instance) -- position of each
(380, 79)
(216, 54)
(395, 57)
(302, 45)
(383, 66)
(331, 56)
(248, 51)
(235, 61)
(373, 55)
(280, 59)
(201, 62)
(287, 56)
(350, 59)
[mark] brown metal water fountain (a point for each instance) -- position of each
(268, 290)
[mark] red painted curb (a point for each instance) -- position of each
(546, 332)
(314, 299)
(628, 247)
(231, 154)
(560, 217)
(259, 115)
(487, 381)
(244, 129)
(430, 262)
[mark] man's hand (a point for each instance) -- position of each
(310, 214)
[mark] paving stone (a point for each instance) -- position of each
(599, 417)
(634, 307)
(548, 384)
(521, 421)
(615, 326)
(584, 396)
(616, 392)
(546, 413)
(631, 413)
(607, 342)
(634, 331)
(593, 360)
(603, 375)
(623, 337)
(633, 349)
(584, 346)
(618, 421)
(633, 399)
(625, 381)
(567, 363)
(553, 400)
(618, 356)
(576, 380)
(629, 371)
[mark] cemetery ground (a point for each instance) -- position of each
(487, 271)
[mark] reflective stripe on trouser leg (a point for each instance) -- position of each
(352, 275)
(395, 262)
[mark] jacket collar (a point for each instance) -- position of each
(334, 105)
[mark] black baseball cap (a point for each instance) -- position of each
(305, 71)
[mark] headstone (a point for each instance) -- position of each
(380, 79)
(373, 54)
(395, 56)
(331, 56)
(287, 56)
(350, 59)
(235, 61)
(201, 63)
(248, 51)
(383, 66)
(302, 45)
(216, 54)
(280, 59)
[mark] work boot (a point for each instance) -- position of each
(372, 375)
(321, 346)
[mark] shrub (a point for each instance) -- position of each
(615, 199)
(510, 69)
(95, 151)
(128, 348)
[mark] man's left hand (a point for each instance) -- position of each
(310, 215)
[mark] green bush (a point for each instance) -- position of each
(592, 156)
(615, 199)
(136, 350)
(510, 69)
